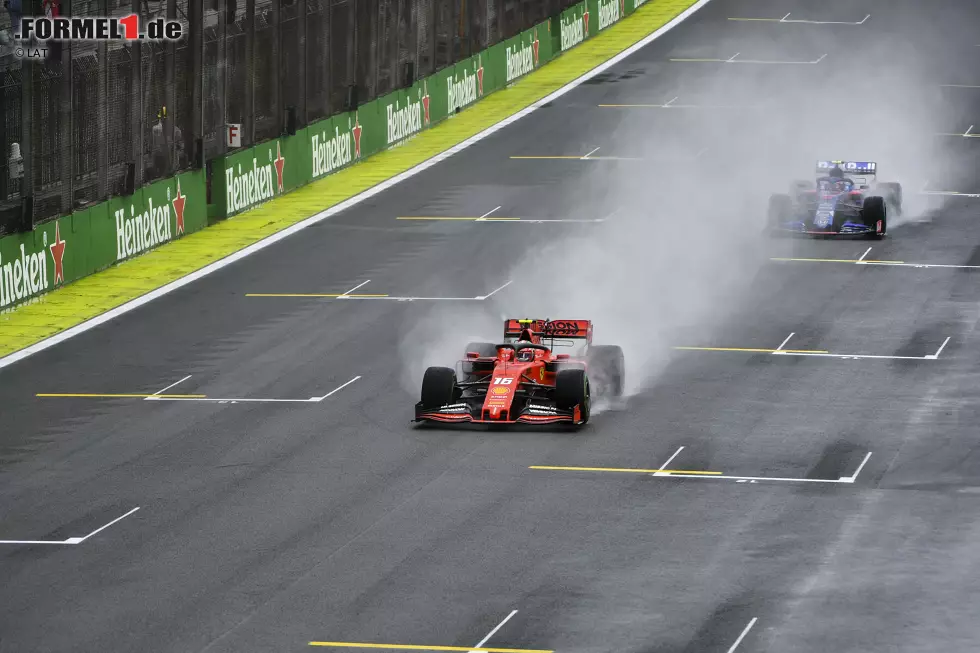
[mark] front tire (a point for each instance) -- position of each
(438, 387)
(874, 215)
(571, 390)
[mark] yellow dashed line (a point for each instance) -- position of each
(417, 647)
(626, 470)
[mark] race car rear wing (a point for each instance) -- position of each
(577, 329)
(849, 167)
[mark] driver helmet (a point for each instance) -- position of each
(525, 355)
(836, 173)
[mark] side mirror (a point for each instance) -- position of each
(562, 357)
(472, 354)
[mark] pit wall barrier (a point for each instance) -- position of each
(87, 241)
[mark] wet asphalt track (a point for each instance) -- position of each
(264, 526)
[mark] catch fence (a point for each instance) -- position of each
(100, 119)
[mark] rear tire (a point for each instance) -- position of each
(607, 370)
(572, 389)
(438, 387)
(780, 211)
(874, 214)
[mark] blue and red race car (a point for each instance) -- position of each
(846, 199)
(523, 379)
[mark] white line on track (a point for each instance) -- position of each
(360, 285)
(343, 206)
(494, 631)
(335, 390)
(860, 467)
(747, 628)
(732, 60)
(852, 356)
(73, 540)
(666, 465)
(253, 400)
(493, 292)
(940, 350)
(671, 102)
(966, 134)
(783, 344)
(866, 252)
(591, 153)
(490, 212)
(174, 384)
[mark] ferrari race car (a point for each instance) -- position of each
(522, 379)
(845, 199)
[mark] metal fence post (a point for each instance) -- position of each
(195, 19)
(138, 110)
(250, 68)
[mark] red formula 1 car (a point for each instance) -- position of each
(522, 379)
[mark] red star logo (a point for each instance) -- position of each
(58, 255)
(280, 164)
(479, 74)
(425, 101)
(178, 203)
(536, 45)
(585, 22)
(357, 137)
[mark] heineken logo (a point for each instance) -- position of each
(27, 274)
(520, 61)
(336, 150)
(462, 92)
(608, 13)
(404, 121)
(244, 187)
(148, 226)
(572, 32)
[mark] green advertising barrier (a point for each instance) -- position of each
(465, 84)
(604, 14)
(90, 240)
(574, 26)
(334, 143)
(245, 179)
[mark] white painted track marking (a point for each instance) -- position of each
(783, 344)
(494, 631)
(866, 252)
(10, 359)
(494, 292)
(73, 540)
(174, 384)
(591, 153)
(490, 212)
(360, 285)
(940, 350)
(744, 632)
(335, 390)
(854, 476)
(666, 465)
(799, 21)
